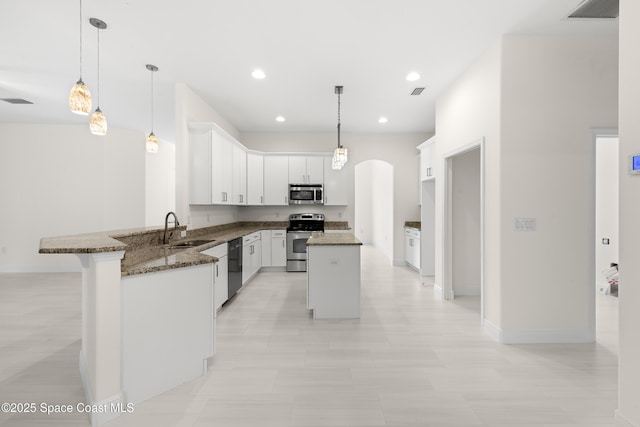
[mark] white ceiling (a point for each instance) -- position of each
(305, 48)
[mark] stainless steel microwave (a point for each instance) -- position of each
(305, 194)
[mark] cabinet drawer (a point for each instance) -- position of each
(412, 232)
(278, 233)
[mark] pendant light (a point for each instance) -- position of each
(98, 122)
(80, 96)
(152, 140)
(340, 155)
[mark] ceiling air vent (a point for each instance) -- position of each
(596, 9)
(16, 101)
(417, 91)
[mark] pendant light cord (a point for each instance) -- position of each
(151, 101)
(98, 97)
(80, 39)
(339, 118)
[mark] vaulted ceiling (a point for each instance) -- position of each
(305, 48)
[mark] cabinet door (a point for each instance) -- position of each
(221, 281)
(221, 170)
(276, 180)
(247, 264)
(265, 237)
(298, 170)
(239, 175)
(255, 179)
(278, 248)
(315, 170)
(336, 184)
(200, 167)
(257, 255)
(427, 154)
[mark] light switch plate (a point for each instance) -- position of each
(524, 224)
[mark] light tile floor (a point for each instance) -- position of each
(411, 360)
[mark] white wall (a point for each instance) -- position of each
(466, 112)
(629, 126)
(555, 90)
(399, 150)
(59, 180)
(535, 101)
(160, 188)
(373, 205)
(466, 226)
(607, 173)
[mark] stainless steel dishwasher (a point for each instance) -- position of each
(234, 259)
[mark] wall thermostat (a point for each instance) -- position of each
(634, 164)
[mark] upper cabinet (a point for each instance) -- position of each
(336, 184)
(218, 168)
(255, 179)
(276, 180)
(306, 170)
(427, 161)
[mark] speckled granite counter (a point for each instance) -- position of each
(413, 224)
(145, 252)
(333, 239)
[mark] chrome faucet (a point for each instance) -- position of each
(166, 224)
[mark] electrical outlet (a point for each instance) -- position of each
(605, 241)
(183, 233)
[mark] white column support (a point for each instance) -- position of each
(100, 362)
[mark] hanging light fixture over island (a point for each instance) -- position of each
(80, 96)
(340, 154)
(152, 140)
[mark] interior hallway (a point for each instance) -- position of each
(411, 360)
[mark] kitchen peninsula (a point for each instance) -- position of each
(333, 275)
(148, 315)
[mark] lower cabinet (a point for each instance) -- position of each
(278, 248)
(220, 274)
(412, 247)
(251, 255)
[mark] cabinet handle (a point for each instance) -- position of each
(262, 200)
(216, 270)
(410, 242)
(283, 243)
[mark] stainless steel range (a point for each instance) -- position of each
(300, 228)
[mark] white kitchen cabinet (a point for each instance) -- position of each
(265, 241)
(255, 179)
(276, 180)
(220, 274)
(412, 247)
(239, 175)
(278, 248)
(221, 170)
(336, 184)
(427, 154)
(306, 170)
(251, 256)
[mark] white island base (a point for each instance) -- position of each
(333, 279)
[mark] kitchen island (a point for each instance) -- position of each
(333, 275)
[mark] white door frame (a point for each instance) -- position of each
(447, 212)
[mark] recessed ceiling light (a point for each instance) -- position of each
(413, 76)
(382, 120)
(280, 119)
(258, 74)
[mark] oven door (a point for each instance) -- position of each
(297, 250)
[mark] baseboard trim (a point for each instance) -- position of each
(546, 336)
(437, 291)
(491, 330)
(622, 421)
(469, 290)
(99, 412)
(399, 262)
(48, 269)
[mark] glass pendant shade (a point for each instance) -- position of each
(152, 143)
(80, 99)
(98, 123)
(339, 158)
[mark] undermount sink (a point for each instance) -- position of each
(190, 244)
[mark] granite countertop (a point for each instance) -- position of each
(145, 252)
(333, 239)
(413, 224)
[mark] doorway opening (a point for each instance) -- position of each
(373, 205)
(463, 237)
(606, 240)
